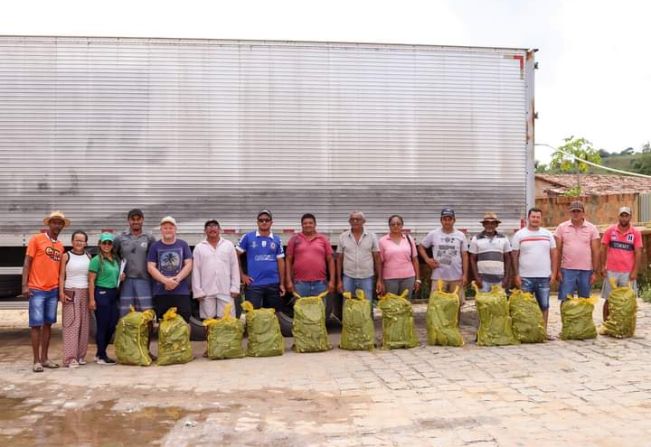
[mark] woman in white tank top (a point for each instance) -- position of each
(73, 294)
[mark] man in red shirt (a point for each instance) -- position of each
(41, 286)
(309, 261)
(620, 255)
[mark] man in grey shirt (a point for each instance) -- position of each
(132, 246)
(358, 258)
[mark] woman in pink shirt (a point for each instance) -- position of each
(399, 259)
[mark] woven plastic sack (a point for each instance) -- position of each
(309, 324)
(398, 329)
(132, 338)
(225, 336)
(527, 318)
(495, 326)
(358, 332)
(173, 340)
(622, 309)
(576, 316)
(263, 329)
(442, 318)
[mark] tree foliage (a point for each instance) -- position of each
(564, 157)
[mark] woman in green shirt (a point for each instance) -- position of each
(103, 276)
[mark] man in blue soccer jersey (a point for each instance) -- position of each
(265, 264)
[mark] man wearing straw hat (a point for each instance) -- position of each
(490, 255)
(41, 286)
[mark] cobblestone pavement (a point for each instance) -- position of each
(594, 392)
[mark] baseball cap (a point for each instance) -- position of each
(576, 205)
(168, 219)
(210, 222)
(135, 212)
(106, 237)
(447, 212)
(267, 212)
(625, 209)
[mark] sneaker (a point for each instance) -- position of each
(105, 361)
(82, 361)
(73, 364)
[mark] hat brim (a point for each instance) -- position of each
(490, 220)
(66, 221)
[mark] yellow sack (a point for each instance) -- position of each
(495, 326)
(263, 329)
(358, 332)
(132, 338)
(442, 318)
(398, 330)
(173, 340)
(576, 316)
(309, 324)
(622, 312)
(527, 318)
(225, 336)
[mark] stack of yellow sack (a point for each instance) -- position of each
(309, 324)
(225, 336)
(132, 338)
(398, 329)
(173, 340)
(263, 330)
(442, 318)
(358, 332)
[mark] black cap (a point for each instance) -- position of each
(267, 212)
(135, 212)
(449, 212)
(209, 222)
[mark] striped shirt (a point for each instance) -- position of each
(490, 251)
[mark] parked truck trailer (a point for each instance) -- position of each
(199, 128)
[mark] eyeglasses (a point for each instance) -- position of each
(212, 226)
(264, 220)
(106, 243)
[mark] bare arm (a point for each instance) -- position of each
(185, 271)
(559, 256)
(507, 270)
(62, 278)
(515, 264)
(246, 279)
(377, 266)
(289, 264)
(555, 263)
(332, 275)
(433, 263)
(281, 274)
(92, 305)
(473, 268)
(604, 258)
(464, 262)
(339, 265)
(636, 265)
(27, 266)
(595, 249)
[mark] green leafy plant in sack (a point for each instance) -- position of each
(442, 318)
(622, 312)
(576, 317)
(527, 318)
(132, 338)
(309, 324)
(358, 332)
(225, 336)
(495, 326)
(398, 330)
(263, 330)
(173, 340)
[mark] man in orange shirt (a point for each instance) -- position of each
(41, 286)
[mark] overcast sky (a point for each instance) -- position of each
(595, 71)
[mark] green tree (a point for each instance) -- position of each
(568, 158)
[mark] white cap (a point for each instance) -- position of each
(168, 219)
(624, 209)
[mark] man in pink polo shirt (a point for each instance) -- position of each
(621, 254)
(577, 241)
(309, 260)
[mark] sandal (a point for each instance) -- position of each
(37, 368)
(50, 364)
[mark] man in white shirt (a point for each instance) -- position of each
(215, 273)
(535, 260)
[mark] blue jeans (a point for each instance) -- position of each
(366, 284)
(43, 307)
(540, 289)
(574, 280)
(264, 296)
(310, 288)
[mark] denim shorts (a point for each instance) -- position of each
(310, 288)
(540, 289)
(43, 307)
(135, 292)
(575, 281)
(366, 284)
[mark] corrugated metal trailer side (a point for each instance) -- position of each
(203, 128)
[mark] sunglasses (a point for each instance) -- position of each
(264, 220)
